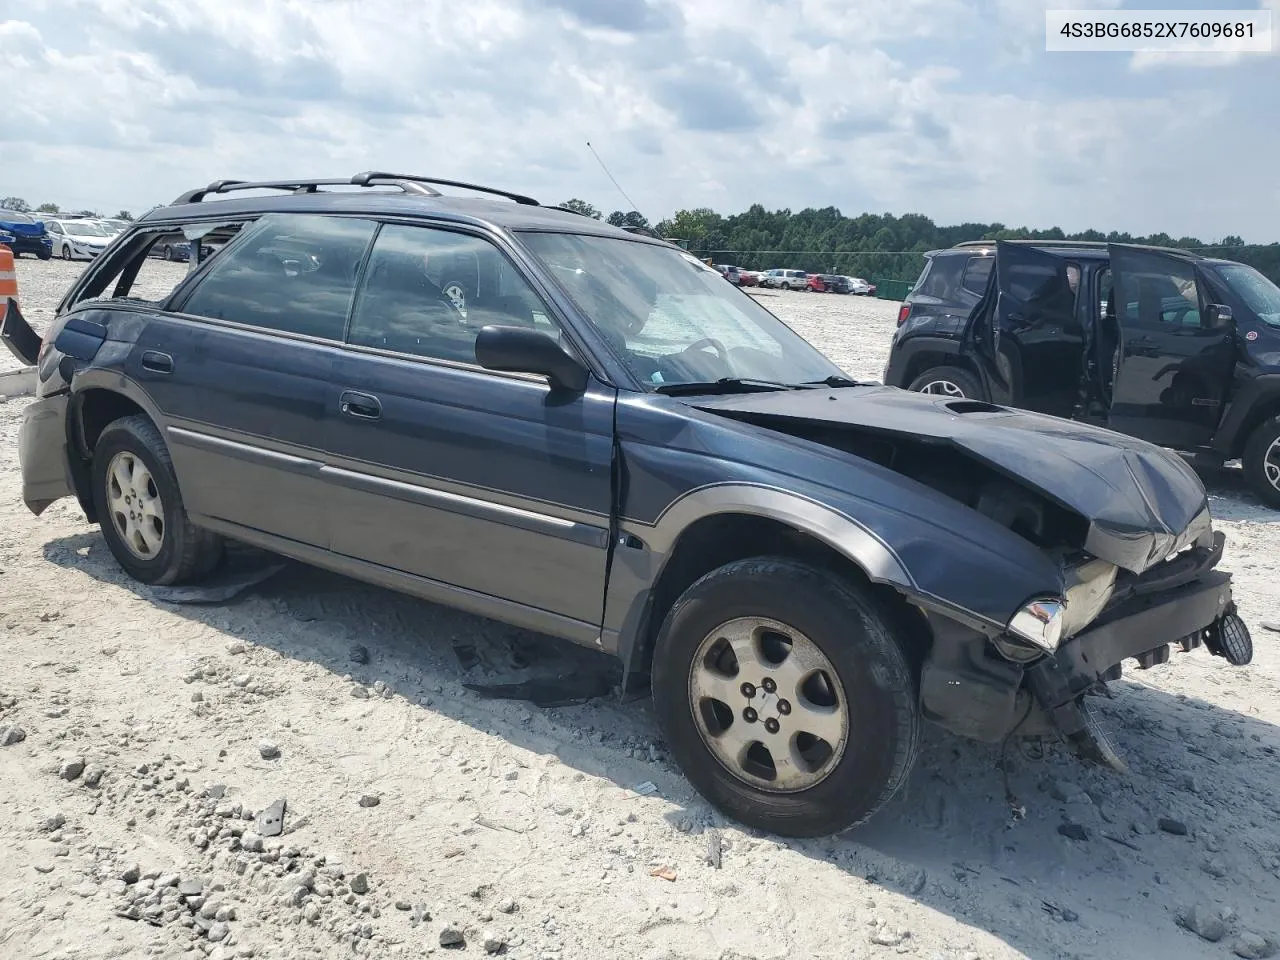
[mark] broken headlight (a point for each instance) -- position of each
(1040, 622)
(1089, 589)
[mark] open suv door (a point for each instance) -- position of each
(1175, 355)
(1028, 336)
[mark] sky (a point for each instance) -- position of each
(946, 108)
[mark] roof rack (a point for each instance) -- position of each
(1083, 244)
(1041, 243)
(409, 183)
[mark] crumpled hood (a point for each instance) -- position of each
(1141, 502)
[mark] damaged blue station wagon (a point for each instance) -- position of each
(525, 413)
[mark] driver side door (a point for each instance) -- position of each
(1173, 364)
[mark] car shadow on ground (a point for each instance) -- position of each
(1021, 839)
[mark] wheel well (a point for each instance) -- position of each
(95, 410)
(936, 358)
(714, 541)
(1261, 412)
(99, 408)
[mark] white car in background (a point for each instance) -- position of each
(859, 287)
(77, 239)
(113, 226)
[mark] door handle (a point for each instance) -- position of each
(362, 406)
(157, 362)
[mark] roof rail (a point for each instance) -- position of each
(1084, 244)
(365, 179)
(290, 186)
(409, 183)
(1041, 243)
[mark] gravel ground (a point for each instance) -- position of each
(143, 743)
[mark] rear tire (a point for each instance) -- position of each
(952, 382)
(855, 685)
(1261, 462)
(140, 508)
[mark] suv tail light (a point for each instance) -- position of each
(904, 311)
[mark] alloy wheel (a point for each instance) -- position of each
(768, 705)
(1271, 463)
(943, 388)
(135, 505)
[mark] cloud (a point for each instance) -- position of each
(946, 107)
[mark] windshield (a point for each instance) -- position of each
(13, 216)
(671, 317)
(1258, 293)
(82, 228)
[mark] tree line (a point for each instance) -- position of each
(875, 246)
(52, 209)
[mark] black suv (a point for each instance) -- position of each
(1174, 348)
(525, 413)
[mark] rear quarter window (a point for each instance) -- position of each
(941, 278)
(976, 274)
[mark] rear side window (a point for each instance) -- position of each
(295, 274)
(976, 274)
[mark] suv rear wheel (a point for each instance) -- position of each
(1261, 462)
(948, 382)
(140, 508)
(785, 698)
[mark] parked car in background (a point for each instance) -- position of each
(729, 272)
(1177, 349)
(7, 240)
(169, 249)
(113, 226)
(860, 287)
(76, 238)
(800, 567)
(780, 279)
(748, 278)
(828, 283)
(29, 234)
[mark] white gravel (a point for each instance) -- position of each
(523, 829)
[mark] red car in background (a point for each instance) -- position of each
(748, 278)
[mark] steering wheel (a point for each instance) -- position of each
(711, 342)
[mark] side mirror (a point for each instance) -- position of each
(524, 350)
(1218, 314)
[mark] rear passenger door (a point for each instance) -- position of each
(487, 486)
(242, 366)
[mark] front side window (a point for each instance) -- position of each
(1258, 293)
(1159, 293)
(671, 318)
(294, 273)
(427, 292)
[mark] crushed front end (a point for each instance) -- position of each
(1033, 677)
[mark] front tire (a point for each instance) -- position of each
(785, 698)
(66, 252)
(43, 254)
(1261, 462)
(952, 382)
(140, 508)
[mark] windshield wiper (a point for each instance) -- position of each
(723, 385)
(833, 381)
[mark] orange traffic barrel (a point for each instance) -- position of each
(8, 281)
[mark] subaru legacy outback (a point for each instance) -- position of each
(527, 414)
(1177, 349)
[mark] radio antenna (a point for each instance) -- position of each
(611, 177)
